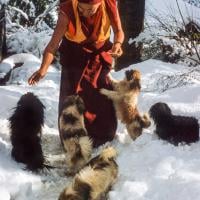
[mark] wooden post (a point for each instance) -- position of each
(3, 49)
(132, 17)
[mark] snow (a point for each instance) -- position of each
(29, 40)
(3, 2)
(163, 22)
(149, 168)
(194, 2)
(169, 8)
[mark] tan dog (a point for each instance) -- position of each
(125, 97)
(95, 180)
(77, 144)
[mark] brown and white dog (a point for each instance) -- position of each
(125, 97)
(77, 144)
(95, 180)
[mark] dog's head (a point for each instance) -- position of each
(28, 115)
(159, 112)
(74, 100)
(133, 78)
(29, 98)
(29, 109)
(72, 113)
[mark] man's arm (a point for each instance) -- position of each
(51, 48)
(115, 20)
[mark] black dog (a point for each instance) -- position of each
(25, 129)
(173, 128)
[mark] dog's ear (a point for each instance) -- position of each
(129, 74)
(69, 101)
(80, 104)
(82, 188)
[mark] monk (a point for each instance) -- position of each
(82, 37)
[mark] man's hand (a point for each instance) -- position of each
(36, 77)
(116, 50)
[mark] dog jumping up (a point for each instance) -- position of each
(174, 128)
(77, 144)
(125, 97)
(25, 132)
(95, 180)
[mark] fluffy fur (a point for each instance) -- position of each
(95, 180)
(77, 144)
(25, 131)
(125, 97)
(173, 128)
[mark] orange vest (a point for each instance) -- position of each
(78, 36)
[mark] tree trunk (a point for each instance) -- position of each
(3, 49)
(132, 17)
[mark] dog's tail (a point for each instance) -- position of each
(85, 144)
(108, 153)
(145, 120)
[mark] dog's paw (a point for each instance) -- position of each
(112, 80)
(104, 91)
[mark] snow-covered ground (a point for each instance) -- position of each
(170, 8)
(149, 168)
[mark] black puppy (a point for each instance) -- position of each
(173, 128)
(25, 131)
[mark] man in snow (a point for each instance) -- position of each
(86, 56)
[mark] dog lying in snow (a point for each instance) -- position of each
(174, 128)
(125, 97)
(95, 180)
(25, 131)
(77, 144)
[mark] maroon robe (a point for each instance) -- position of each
(84, 71)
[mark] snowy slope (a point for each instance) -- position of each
(169, 8)
(149, 169)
